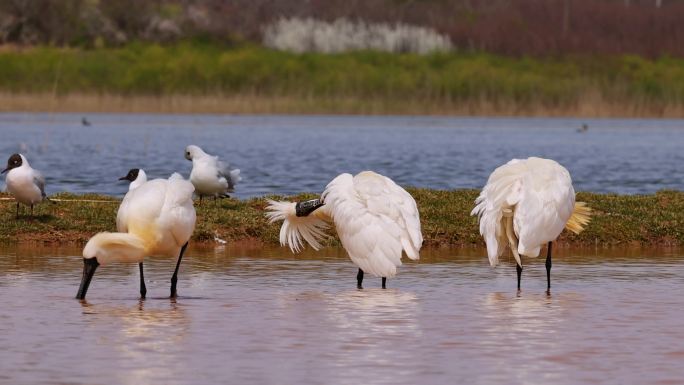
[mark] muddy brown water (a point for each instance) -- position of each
(263, 316)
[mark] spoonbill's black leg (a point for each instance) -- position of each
(143, 289)
(359, 279)
(384, 282)
(31, 211)
(200, 202)
(174, 278)
(17, 210)
(518, 268)
(548, 269)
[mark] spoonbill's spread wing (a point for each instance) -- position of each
(540, 194)
(375, 220)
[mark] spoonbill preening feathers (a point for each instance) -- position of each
(526, 204)
(375, 219)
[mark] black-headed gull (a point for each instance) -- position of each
(26, 184)
(209, 175)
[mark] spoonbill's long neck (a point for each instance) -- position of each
(115, 247)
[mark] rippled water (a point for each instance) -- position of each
(290, 154)
(255, 316)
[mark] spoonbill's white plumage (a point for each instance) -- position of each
(525, 205)
(136, 176)
(26, 184)
(157, 218)
(209, 175)
(375, 220)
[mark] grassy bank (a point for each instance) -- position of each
(197, 77)
(648, 220)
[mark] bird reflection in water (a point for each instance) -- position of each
(153, 332)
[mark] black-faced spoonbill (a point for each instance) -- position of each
(527, 204)
(26, 184)
(374, 218)
(156, 218)
(209, 175)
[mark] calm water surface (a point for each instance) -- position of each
(255, 316)
(291, 154)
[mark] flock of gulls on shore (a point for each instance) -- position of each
(525, 205)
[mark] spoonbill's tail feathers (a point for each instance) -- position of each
(581, 215)
(295, 230)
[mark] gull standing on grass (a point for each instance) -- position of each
(210, 176)
(26, 184)
(526, 204)
(136, 176)
(374, 217)
(156, 218)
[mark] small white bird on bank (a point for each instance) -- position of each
(210, 176)
(374, 218)
(156, 218)
(136, 176)
(26, 184)
(526, 204)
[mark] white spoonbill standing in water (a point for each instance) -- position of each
(374, 218)
(156, 218)
(209, 175)
(26, 184)
(526, 204)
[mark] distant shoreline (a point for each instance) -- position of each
(618, 220)
(248, 79)
(261, 104)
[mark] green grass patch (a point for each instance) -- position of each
(656, 219)
(193, 68)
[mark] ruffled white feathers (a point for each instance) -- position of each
(295, 230)
(540, 195)
(375, 219)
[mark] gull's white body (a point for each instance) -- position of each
(375, 219)
(157, 218)
(25, 184)
(142, 178)
(209, 175)
(539, 194)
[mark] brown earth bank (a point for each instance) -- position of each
(591, 106)
(655, 220)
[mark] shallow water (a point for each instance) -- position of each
(261, 316)
(291, 154)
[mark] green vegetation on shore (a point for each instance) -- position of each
(647, 220)
(357, 82)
